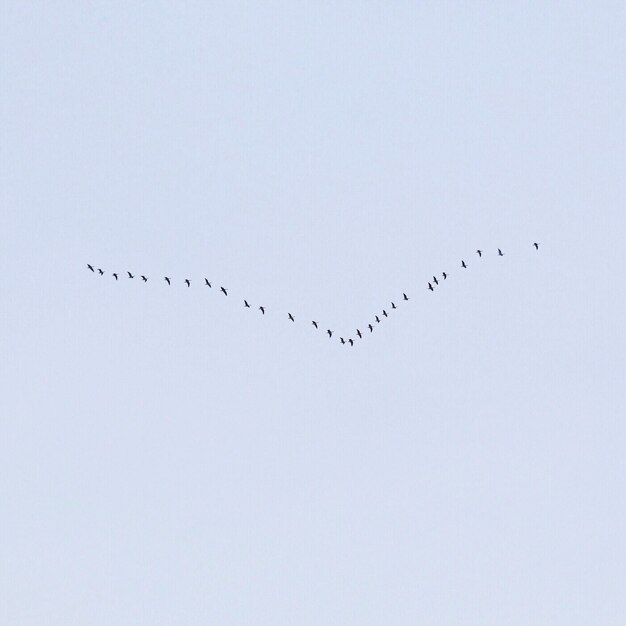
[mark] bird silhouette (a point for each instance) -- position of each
(377, 319)
(463, 264)
(385, 313)
(500, 252)
(370, 327)
(262, 309)
(479, 252)
(330, 332)
(291, 317)
(145, 280)
(90, 267)
(435, 279)
(314, 324)
(430, 287)
(445, 276)
(167, 280)
(223, 291)
(245, 303)
(188, 282)
(206, 282)
(358, 332)
(100, 272)
(351, 342)
(343, 341)
(535, 244)
(405, 297)
(130, 275)
(393, 306)
(114, 274)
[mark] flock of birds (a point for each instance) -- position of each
(350, 341)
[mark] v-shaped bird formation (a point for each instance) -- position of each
(432, 286)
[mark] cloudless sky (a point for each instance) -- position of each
(169, 457)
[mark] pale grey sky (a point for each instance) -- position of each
(167, 457)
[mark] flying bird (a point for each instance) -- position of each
(351, 342)
(330, 333)
(130, 275)
(343, 341)
(206, 282)
(463, 264)
(535, 244)
(145, 280)
(90, 267)
(393, 306)
(314, 324)
(435, 279)
(479, 252)
(405, 297)
(114, 274)
(430, 287)
(385, 313)
(245, 303)
(100, 272)
(500, 252)
(262, 309)
(188, 282)
(223, 291)
(358, 332)
(291, 317)
(444, 276)
(370, 327)
(377, 319)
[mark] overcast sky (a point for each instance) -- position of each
(169, 457)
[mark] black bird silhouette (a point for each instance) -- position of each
(291, 317)
(385, 313)
(262, 309)
(330, 332)
(500, 252)
(90, 267)
(358, 332)
(393, 306)
(245, 303)
(130, 275)
(223, 291)
(188, 282)
(435, 279)
(405, 297)
(206, 282)
(342, 340)
(351, 342)
(535, 244)
(145, 280)
(377, 319)
(114, 274)
(430, 287)
(314, 324)
(444, 276)
(463, 264)
(100, 272)
(167, 280)
(479, 252)
(370, 327)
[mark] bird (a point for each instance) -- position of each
(223, 290)
(385, 313)
(145, 280)
(405, 297)
(500, 252)
(371, 328)
(100, 272)
(479, 252)
(330, 332)
(435, 279)
(445, 276)
(206, 282)
(167, 280)
(262, 309)
(535, 244)
(245, 303)
(430, 287)
(130, 275)
(358, 332)
(188, 282)
(114, 274)
(463, 264)
(351, 342)
(342, 340)
(314, 324)
(291, 317)
(393, 306)
(90, 267)
(377, 319)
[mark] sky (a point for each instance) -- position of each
(168, 456)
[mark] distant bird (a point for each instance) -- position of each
(245, 303)
(444, 276)
(291, 317)
(377, 319)
(358, 332)
(385, 313)
(405, 297)
(330, 333)
(145, 280)
(393, 306)
(100, 272)
(206, 282)
(430, 287)
(342, 340)
(479, 252)
(314, 324)
(262, 309)
(114, 274)
(535, 244)
(188, 282)
(370, 327)
(351, 342)
(223, 291)
(435, 279)
(463, 264)
(500, 252)
(167, 280)
(90, 267)
(130, 275)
